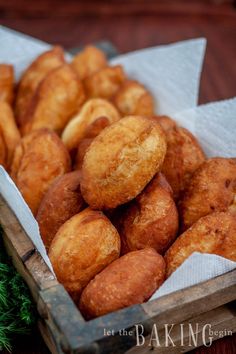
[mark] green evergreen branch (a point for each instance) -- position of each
(17, 314)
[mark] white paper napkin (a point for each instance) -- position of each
(23, 213)
(171, 72)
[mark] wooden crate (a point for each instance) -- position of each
(65, 331)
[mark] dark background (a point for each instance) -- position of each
(130, 25)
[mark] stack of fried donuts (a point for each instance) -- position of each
(122, 195)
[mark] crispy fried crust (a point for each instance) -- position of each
(214, 233)
(134, 99)
(151, 219)
(166, 122)
(62, 201)
(89, 61)
(9, 130)
(32, 77)
(6, 83)
(129, 280)
(105, 83)
(184, 155)
(212, 188)
(121, 160)
(76, 129)
(57, 98)
(92, 131)
(82, 247)
(38, 159)
(3, 151)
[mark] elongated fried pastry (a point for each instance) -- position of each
(214, 233)
(104, 83)
(57, 99)
(89, 61)
(62, 201)
(93, 109)
(130, 280)
(6, 83)
(82, 247)
(212, 188)
(38, 159)
(9, 130)
(184, 155)
(134, 99)
(121, 160)
(32, 77)
(151, 219)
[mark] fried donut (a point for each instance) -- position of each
(104, 83)
(38, 159)
(134, 99)
(62, 201)
(32, 77)
(82, 247)
(76, 129)
(184, 155)
(121, 160)
(130, 280)
(151, 219)
(9, 130)
(89, 61)
(6, 83)
(214, 233)
(212, 188)
(56, 100)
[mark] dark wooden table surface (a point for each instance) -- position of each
(132, 25)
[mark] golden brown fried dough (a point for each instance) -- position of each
(214, 233)
(32, 77)
(57, 98)
(121, 160)
(184, 155)
(82, 247)
(130, 280)
(3, 151)
(134, 99)
(105, 83)
(166, 122)
(38, 159)
(92, 131)
(93, 109)
(62, 201)
(9, 130)
(89, 61)
(151, 219)
(6, 83)
(212, 188)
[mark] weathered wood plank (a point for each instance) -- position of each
(25, 257)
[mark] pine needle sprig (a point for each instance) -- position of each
(17, 313)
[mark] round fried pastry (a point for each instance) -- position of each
(151, 219)
(62, 201)
(214, 233)
(83, 246)
(121, 160)
(212, 188)
(131, 279)
(38, 159)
